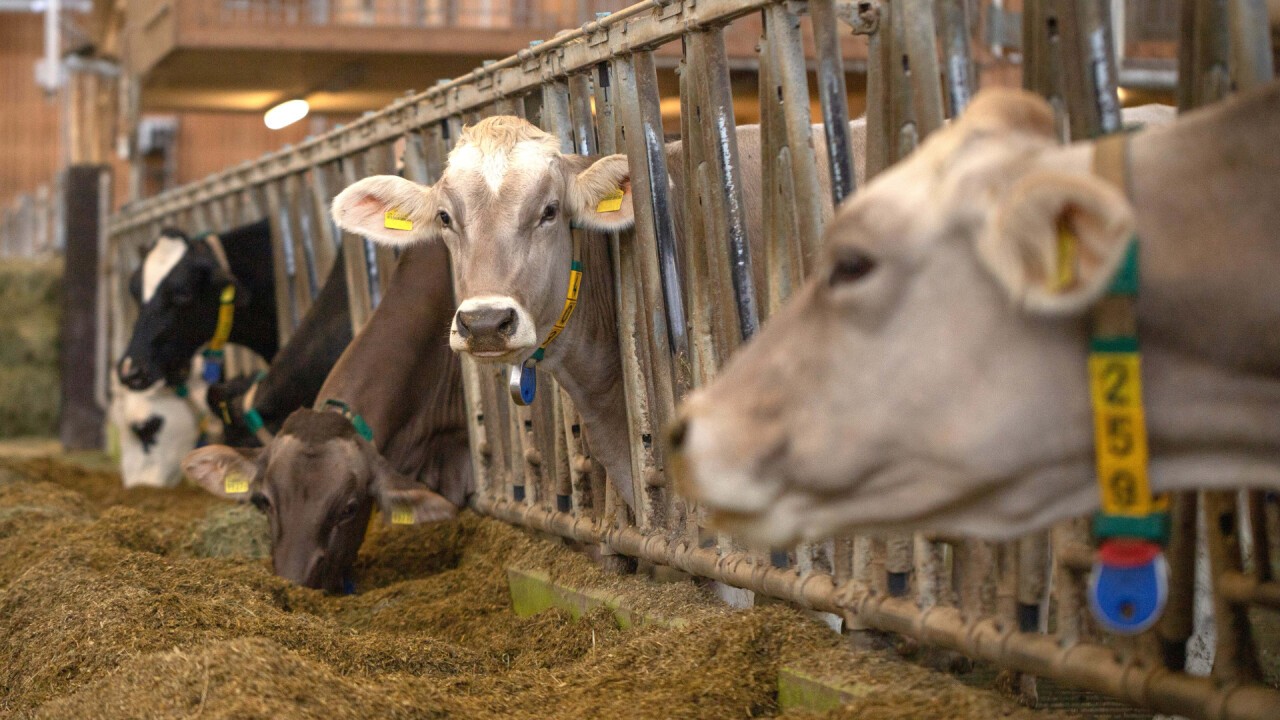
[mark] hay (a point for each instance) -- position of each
(30, 293)
(128, 604)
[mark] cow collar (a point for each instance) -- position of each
(252, 419)
(213, 354)
(522, 381)
(358, 422)
(1129, 583)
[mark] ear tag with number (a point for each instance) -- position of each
(1128, 586)
(523, 384)
(611, 202)
(235, 483)
(401, 514)
(393, 219)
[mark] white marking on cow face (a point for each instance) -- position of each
(492, 345)
(495, 165)
(166, 255)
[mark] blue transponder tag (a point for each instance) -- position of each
(528, 383)
(348, 586)
(1129, 586)
(212, 371)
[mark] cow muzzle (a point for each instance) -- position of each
(494, 329)
(134, 374)
(733, 479)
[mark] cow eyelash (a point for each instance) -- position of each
(549, 214)
(445, 220)
(850, 268)
(260, 501)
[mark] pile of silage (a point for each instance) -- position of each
(111, 608)
(30, 308)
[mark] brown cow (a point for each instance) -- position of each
(318, 479)
(932, 374)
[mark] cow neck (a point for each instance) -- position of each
(399, 370)
(523, 378)
(213, 353)
(586, 362)
(250, 261)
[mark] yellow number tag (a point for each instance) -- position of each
(1120, 434)
(235, 483)
(401, 515)
(611, 202)
(396, 220)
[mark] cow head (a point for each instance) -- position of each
(317, 481)
(931, 373)
(504, 207)
(178, 289)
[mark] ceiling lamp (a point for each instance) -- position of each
(286, 113)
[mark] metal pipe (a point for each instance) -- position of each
(1090, 666)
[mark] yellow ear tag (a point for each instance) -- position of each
(401, 515)
(235, 483)
(1068, 259)
(395, 220)
(611, 202)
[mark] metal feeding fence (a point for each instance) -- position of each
(29, 226)
(682, 308)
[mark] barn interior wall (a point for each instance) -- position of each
(29, 135)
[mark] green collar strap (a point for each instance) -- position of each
(354, 418)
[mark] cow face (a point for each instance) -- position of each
(317, 482)
(504, 207)
(178, 288)
(931, 373)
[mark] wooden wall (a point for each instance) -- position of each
(211, 141)
(29, 137)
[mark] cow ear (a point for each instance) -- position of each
(223, 471)
(405, 502)
(1057, 240)
(600, 196)
(388, 210)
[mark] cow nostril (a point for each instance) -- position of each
(676, 433)
(463, 329)
(508, 324)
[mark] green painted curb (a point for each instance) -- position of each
(533, 592)
(799, 690)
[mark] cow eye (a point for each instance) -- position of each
(445, 220)
(850, 268)
(549, 214)
(350, 510)
(260, 501)
(182, 297)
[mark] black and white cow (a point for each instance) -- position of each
(178, 289)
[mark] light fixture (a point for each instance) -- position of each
(286, 113)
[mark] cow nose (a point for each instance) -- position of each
(131, 374)
(487, 321)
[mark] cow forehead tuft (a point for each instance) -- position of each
(313, 427)
(495, 147)
(166, 255)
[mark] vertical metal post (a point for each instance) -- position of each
(834, 99)
(286, 303)
(355, 260)
(958, 68)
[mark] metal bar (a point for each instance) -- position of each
(833, 98)
(721, 141)
(286, 303)
(1089, 666)
(355, 261)
(788, 71)
(1252, 63)
(958, 69)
